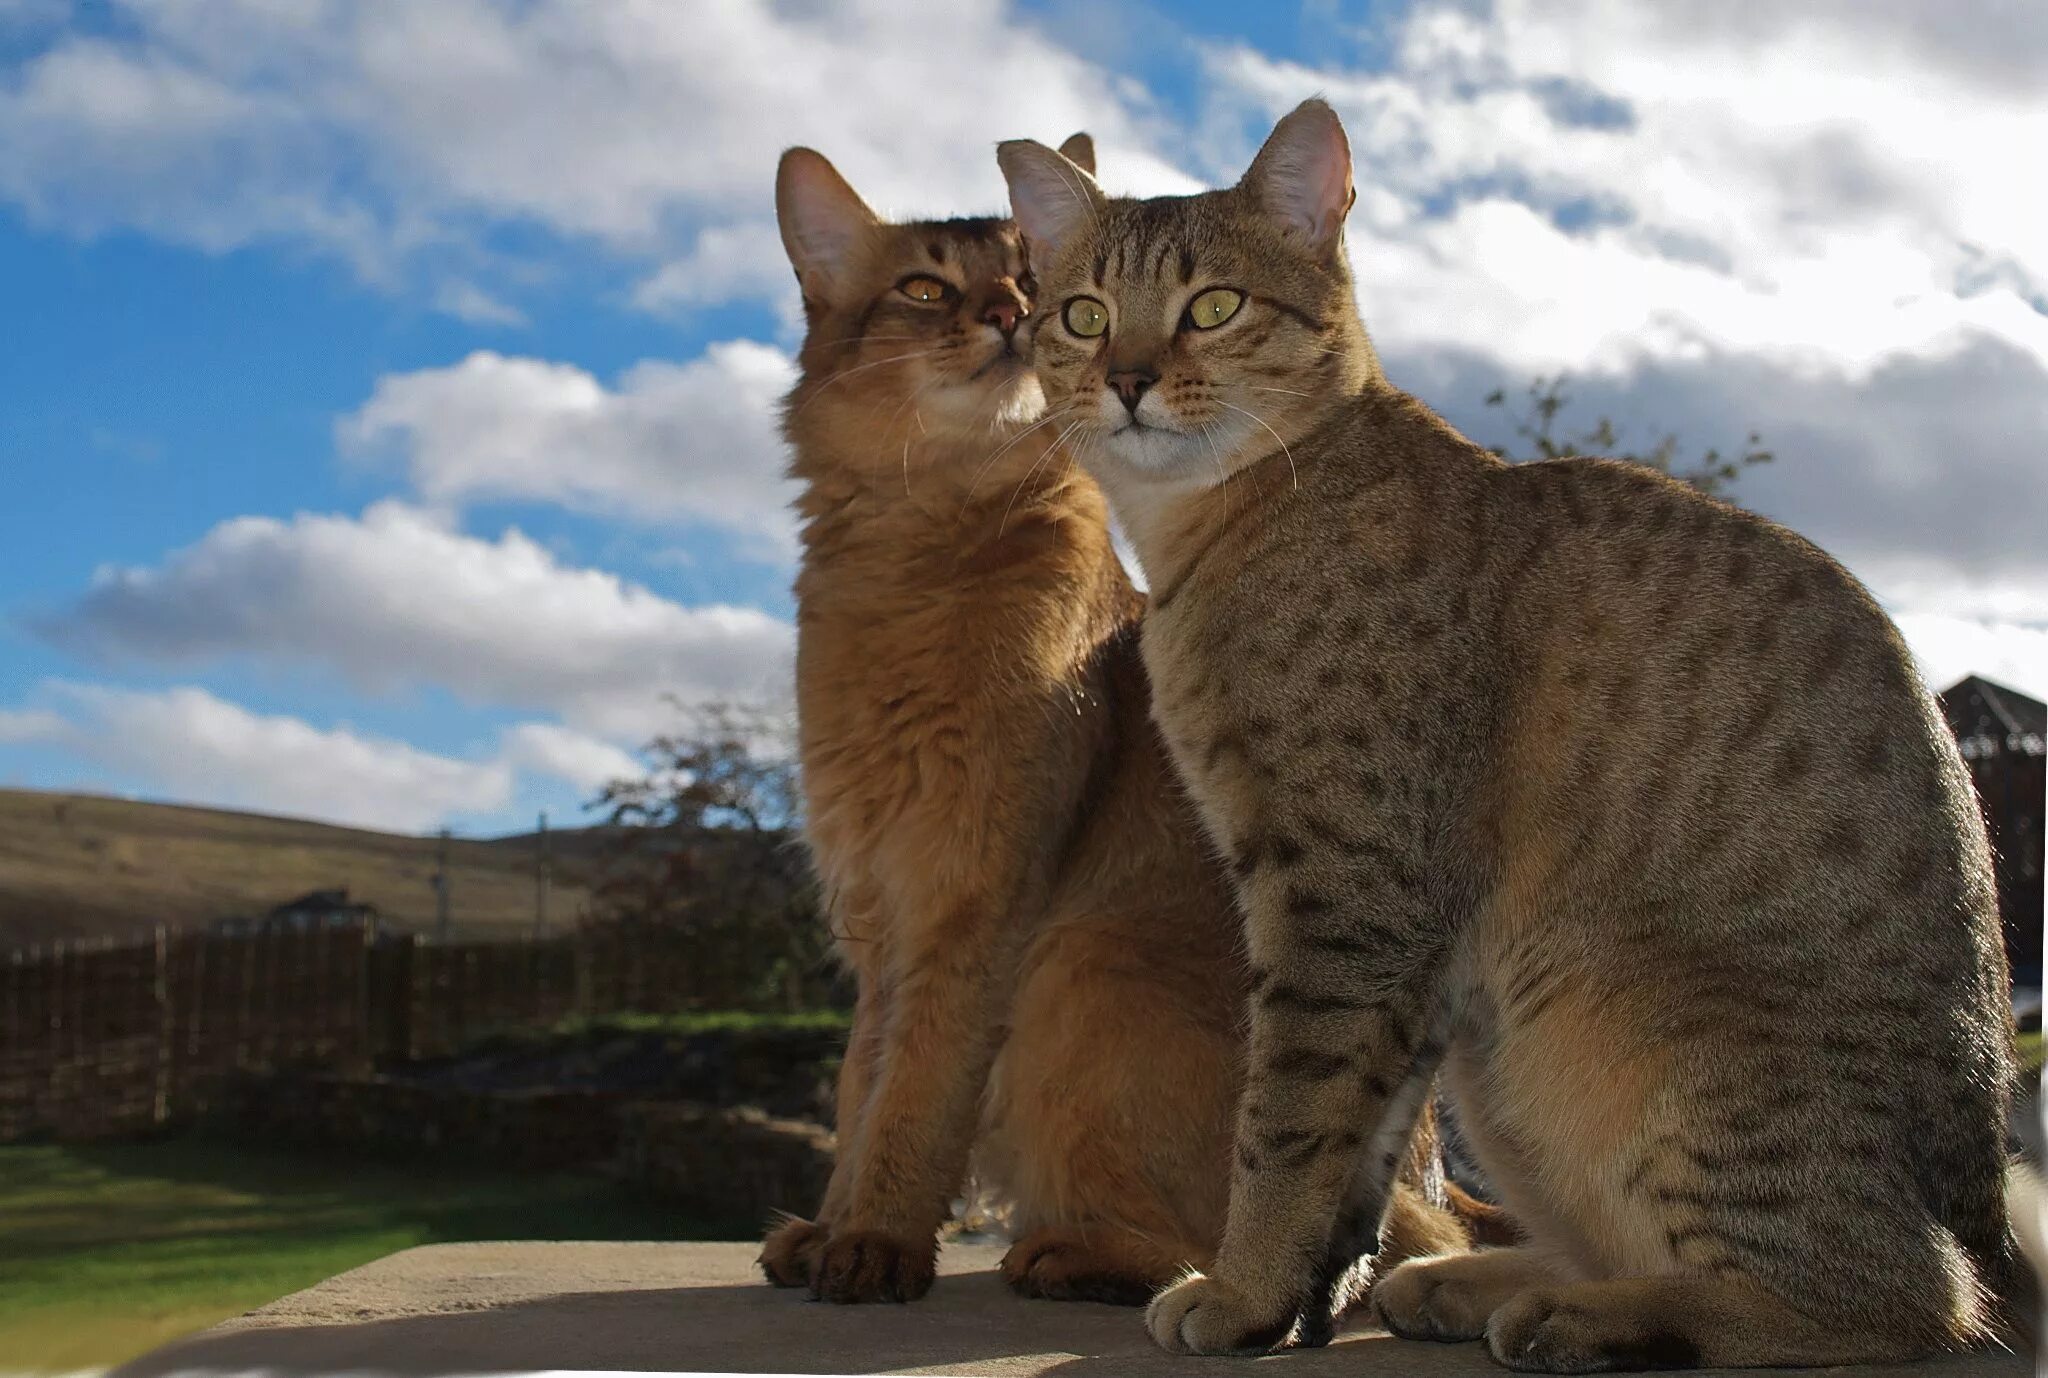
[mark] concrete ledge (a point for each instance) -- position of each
(479, 1308)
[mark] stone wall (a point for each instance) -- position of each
(721, 1163)
(394, 1117)
(724, 1164)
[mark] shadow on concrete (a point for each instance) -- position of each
(970, 1324)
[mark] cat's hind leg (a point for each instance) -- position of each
(1099, 1262)
(790, 1251)
(1109, 1109)
(1722, 1321)
(1453, 1298)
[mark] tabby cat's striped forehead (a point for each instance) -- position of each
(1172, 244)
(1150, 241)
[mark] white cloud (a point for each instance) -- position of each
(1818, 192)
(397, 599)
(725, 263)
(18, 725)
(1910, 583)
(566, 754)
(1805, 219)
(194, 746)
(380, 129)
(469, 302)
(694, 441)
(100, 138)
(1949, 648)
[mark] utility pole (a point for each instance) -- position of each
(441, 888)
(543, 873)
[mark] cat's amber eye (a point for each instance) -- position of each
(1087, 317)
(922, 289)
(1214, 307)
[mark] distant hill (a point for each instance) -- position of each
(82, 866)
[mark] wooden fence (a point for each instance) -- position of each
(104, 1039)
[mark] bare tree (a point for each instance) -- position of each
(1712, 473)
(705, 857)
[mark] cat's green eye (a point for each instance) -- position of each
(922, 289)
(1087, 317)
(1214, 307)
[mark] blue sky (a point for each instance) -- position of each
(385, 397)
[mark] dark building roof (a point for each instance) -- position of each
(1977, 709)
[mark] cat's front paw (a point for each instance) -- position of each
(789, 1255)
(1420, 1302)
(1205, 1315)
(867, 1265)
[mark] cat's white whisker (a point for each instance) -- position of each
(1078, 192)
(1031, 473)
(860, 368)
(1208, 434)
(869, 339)
(1269, 431)
(916, 416)
(989, 463)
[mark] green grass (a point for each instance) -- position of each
(674, 1025)
(108, 1251)
(708, 1021)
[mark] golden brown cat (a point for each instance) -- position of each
(1625, 807)
(1002, 842)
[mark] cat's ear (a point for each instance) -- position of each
(1051, 196)
(1079, 150)
(823, 221)
(1302, 177)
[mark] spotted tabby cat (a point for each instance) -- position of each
(1623, 807)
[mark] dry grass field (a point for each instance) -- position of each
(82, 866)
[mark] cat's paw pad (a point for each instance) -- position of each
(1061, 1265)
(867, 1265)
(1420, 1302)
(1541, 1332)
(790, 1252)
(1204, 1315)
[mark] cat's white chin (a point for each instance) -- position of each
(1021, 401)
(981, 405)
(1147, 449)
(1155, 454)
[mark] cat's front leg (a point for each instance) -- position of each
(1341, 1056)
(790, 1252)
(909, 1154)
(1290, 1255)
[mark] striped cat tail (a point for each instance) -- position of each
(2027, 1255)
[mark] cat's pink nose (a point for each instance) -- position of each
(1002, 315)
